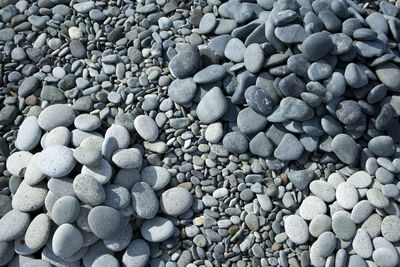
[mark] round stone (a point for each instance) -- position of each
(289, 148)
(235, 50)
(87, 156)
(381, 146)
(127, 158)
(38, 232)
(146, 127)
(390, 228)
(137, 253)
(259, 100)
(207, 23)
(347, 195)
(348, 112)
(56, 161)
(65, 117)
(254, 58)
(250, 122)
(157, 229)
(29, 134)
(296, 229)
(157, 177)
(17, 162)
(121, 240)
(186, 62)
(58, 136)
(323, 190)
(67, 240)
(362, 244)
(214, 132)
(312, 206)
(104, 221)
(355, 76)
(320, 224)
(88, 190)
(316, 46)
(120, 133)
(212, 106)
(361, 211)
(144, 201)
(343, 226)
(295, 109)
(389, 74)
(235, 142)
(87, 122)
(13, 225)
(377, 198)
(65, 210)
(182, 91)
(360, 179)
(261, 145)
(325, 244)
(345, 148)
(29, 198)
(175, 201)
(102, 172)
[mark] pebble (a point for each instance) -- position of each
(345, 148)
(235, 50)
(66, 241)
(87, 156)
(38, 232)
(182, 91)
(347, 195)
(56, 161)
(157, 229)
(13, 225)
(259, 100)
(214, 132)
(320, 224)
(186, 62)
(47, 121)
(157, 177)
(121, 240)
(106, 260)
(175, 201)
(28, 86)
(65, 210)
(360, 179)
(361, 211)
(104, 221)
(144, 201)
(388, 74)
(301, 178)
(88, 190)
(29, 198)
(323, 190)
(325, 244)
(291, 34)
(137, 253)
(120, 133)
(312, 206)
(124, 158)
(316, 46)
(212, 106)
(390, 228)
(58, 136)
(253, 58)
(381, 146)
(289, 148)
(250, 122)
(17, 162)
(296, 229)
(29, 134)
(87, 122)
(146, 127)
(362, 244)
(235, 142)
(343, 226)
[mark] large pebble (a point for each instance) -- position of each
(186, 62)
(87, 122)
(210, 74)
(17, 162)
(146, 127)
(144, 201)
(345, 148)
(381, 146)
(389, 75)
(56, 115)
(360, 179)
(311, 207)
(157, 177)
(65, 210)
(347, 195)
(67, 240)
(38, 232)
(182, 91)
(343, 226)
(121, 240)
(296, 229)
(390, 228)
(101, 172)
(56, 161)
(212, 106)
(13, 225)
(325, 244)
(316, 46)
(120, 133)
(362, 244)
(29, 198)
(29, 134)
(127, 158)
(104, 221)
(89, 190)
(301, 178)
(250, 122)
(157, 229)
(176, 201)
(289, 148)
(137, 253)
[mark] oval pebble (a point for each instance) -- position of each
(29, 134)
(325, 244)
(296, 229)
(319, 224)
(120, 133)
(137, 253)
(87, 122)
(58, 136)
(17, 162)
(29, 198)
(361, 211)
(38, 232)
(377, 199)
(56, 161)
(67, 240)
(157, 229)
(146, 127)
(65, 210)
(121, 240)
(390, 228)
(323, 190)
(102, 172)
(175, 201)
(104, 221)
(144, 201)
(13, 225)
(130, 158)
(65, 117)
(362, 244)
(347, 195)
(360, 179)
(157, 177)
(312, 206)
(89, 190)
(343, 226)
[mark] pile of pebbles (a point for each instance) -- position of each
(199, 133)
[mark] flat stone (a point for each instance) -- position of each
(104, 221)
(347, 195)
(212, 106)
(182, 91)
(48, 121)
(320, 224)
(120, 133)
(106, 260)
(87, 156)
(38, 232)
(210, 74)
(312, 206)
(29, 134)
(325, 244)
(291, 34)
(360, 179)
(137, 253)
(355, 76)
(17, 162)
(385, 254)
(117, 196)
(8, 114)
(56, 161)
(157, 229)
(29, 198)
(157, 177)
(88, 190)
(319, 70)
(343, 226)
(77, 49)
(175, 201)
(261, 145)
(58, 136)
(361, 211)
(146, 127)
(390, 228)
(66, 241)
(323, 190)
(296, 229)
(65, 210)
(214, 132)
(144, 201)
(127, 158)
(28, 86)
(87, 122)
(13, 225)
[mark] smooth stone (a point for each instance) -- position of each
(182, 91)
(144, 201)
(157, 177)
(137, 253)
(385, 254)
(355, 76)
(261, 145)
(52, 94)
(325, 244)
(87, 122)
(77, 49)
(235, 142)
(212, 106)
(102, 172)
(29, 134)
(175, 201)
(361, 211)
(104, 221)
(157, 229)
(320, 224)
(347, 195)
(345, 148)
(127, 158)
(8, 114)
(58, 136)
(17, 162)
(207, 23)
(342, 44)
(87, 156)
(121, 240)
(120, 133)
(38, 232)
(390, 228)
(316, 46)
(343, 226)
(61, 186)
(312, 206)
(65, 210)
(89, 190)
(259, 100)
(360, 179)
(319, 70)
(56, 161)
(296, 229)
(296, 109)
(323, 190)
(48, 121)
(214, 132)
(210, 74)
(186, 62)
(291, 34)
(235, 50)
(250, 122)
(382, 146)
(301, 179)
(106, 260)
(117, 196)
(146, 127)
(348, 112)
(362, 244)
(389, 75)
(253, 58)
(67, 240)
(28, 86)
(289, 148)
(13, 225)
(29, 198)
